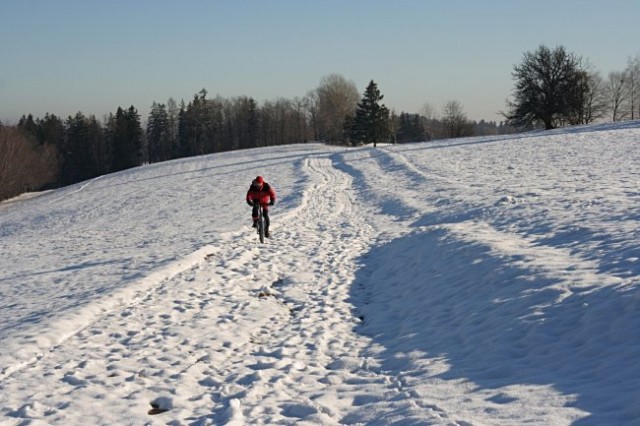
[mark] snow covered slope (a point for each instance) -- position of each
(478, 281)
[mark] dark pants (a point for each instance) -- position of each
(265, 214)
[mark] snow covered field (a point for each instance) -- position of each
(478, 281)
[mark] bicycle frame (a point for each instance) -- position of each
(261, 230)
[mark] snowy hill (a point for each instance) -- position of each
(479, 281)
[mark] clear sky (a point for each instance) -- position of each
(65, 56)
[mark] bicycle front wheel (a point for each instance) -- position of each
(261, 229)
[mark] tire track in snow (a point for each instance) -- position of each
(320, 242)
(424, 208)
(543, 260)
(31, 348)
(273, 359)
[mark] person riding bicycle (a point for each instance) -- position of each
(265, 195)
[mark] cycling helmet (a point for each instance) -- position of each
(257, 182)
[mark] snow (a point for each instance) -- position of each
(477, 281)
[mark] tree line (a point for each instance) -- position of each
(552, 88)
(555, 88)
(49, 152)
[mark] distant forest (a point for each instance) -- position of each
(49, 152)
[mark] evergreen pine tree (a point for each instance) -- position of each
(158, 137)
(181, 149)
(127, 139)
(77, 156)
(28, 125)
(371, 123)
(51, 131)
(100, 153)
(172, 124)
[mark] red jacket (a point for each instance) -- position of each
(264, 195)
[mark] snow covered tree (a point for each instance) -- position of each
(371, 122)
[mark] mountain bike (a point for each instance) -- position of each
(260, 223)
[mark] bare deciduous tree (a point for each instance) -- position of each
(431, 119)
(596, 100)
(429, 112)
(455, 120)
(633, 86)
(24, 165)
(311, 104)
(616, 94)
(336, 99)
(546, 89)
(590, 102)
(283, 122)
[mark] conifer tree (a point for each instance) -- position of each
(158, 134)
(51, 131)
(173, 112)
(371, 123)
(127, 139)
(100, 151)
(28, 125)
(195, 127)
(181, 148)
(77, 156)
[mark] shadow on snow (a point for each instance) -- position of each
(497, 324)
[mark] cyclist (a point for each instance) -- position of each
(264, 194)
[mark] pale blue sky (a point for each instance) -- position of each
(65, 56)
